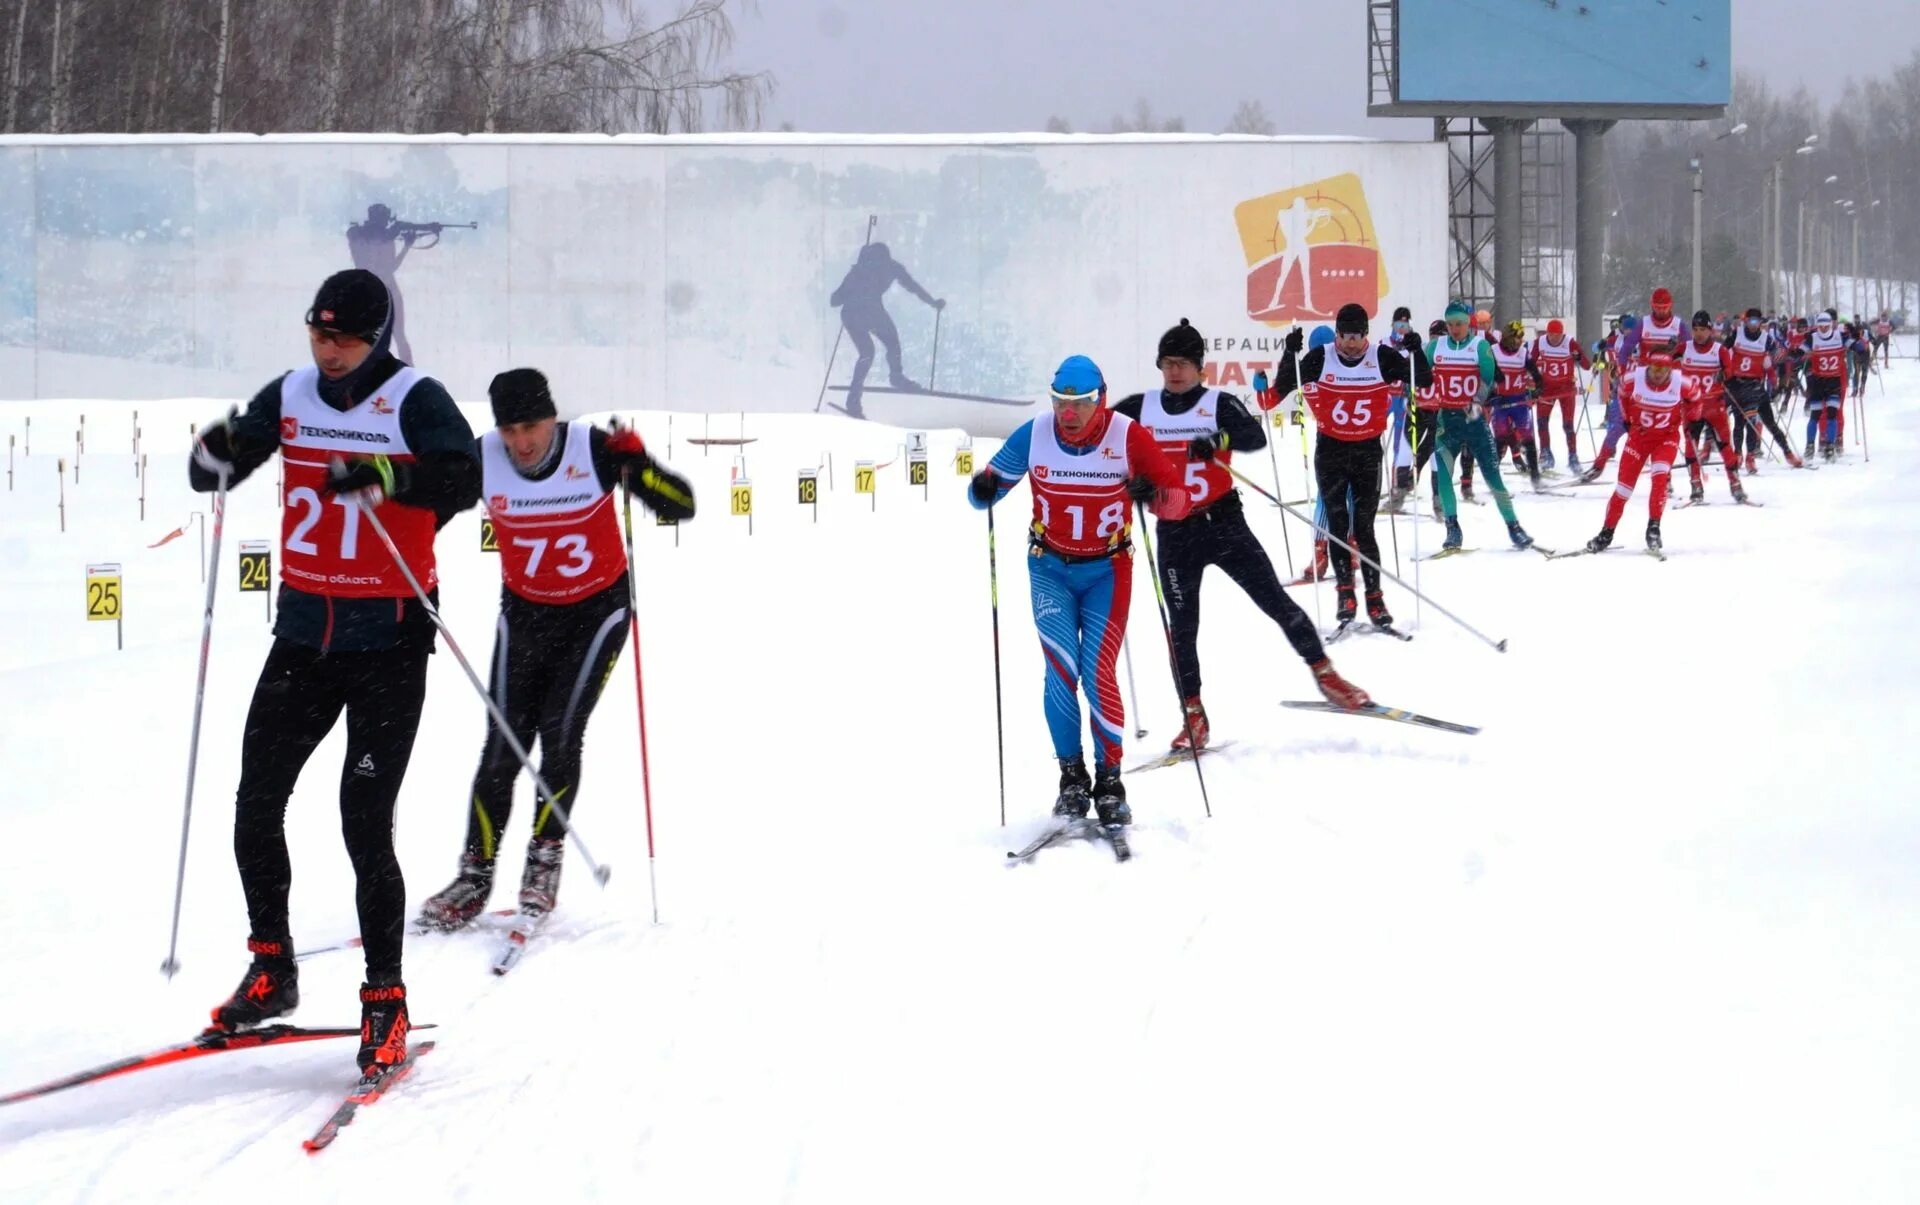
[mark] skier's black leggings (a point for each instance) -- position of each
(1750, 398)
(1219, 535)
(1340, 465)
(300, 695)
(549, 665)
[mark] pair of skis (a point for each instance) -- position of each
(370, 1088)
(1349, 626)
(1061, 828)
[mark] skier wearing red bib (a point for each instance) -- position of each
(1352, 398)
(1651, 398)
(357, 431)
(1086, 466)
(1661, 331)
(1200, 429)
(548, 487)
(1704, 363)
(1555, 357)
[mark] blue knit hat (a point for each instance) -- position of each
(1076, 378)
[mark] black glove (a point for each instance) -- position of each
(1202, 447)
(1142, 490)
(1410, 341)
(984, 487)
(1295, 341)
(213, 451)
(665, 492)
(379, 477)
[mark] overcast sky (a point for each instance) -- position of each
(962, 66)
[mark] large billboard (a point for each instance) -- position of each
(929, 282)
(1560, 58)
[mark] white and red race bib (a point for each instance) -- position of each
(326, 547)
(559, 539)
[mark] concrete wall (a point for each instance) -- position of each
(699, 273)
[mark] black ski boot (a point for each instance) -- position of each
(1348, 605)
(1075, 790)
(1653, 535)
(456, 904)
(384, 1026)
(1601, 542)
(1110, 798)
(1377, 610)
(1454, 537)
(1698, 493)
(271, 988)
(1519, 536)
(540, 881)
(1739, 491)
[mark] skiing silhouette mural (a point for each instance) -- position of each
(861, 298)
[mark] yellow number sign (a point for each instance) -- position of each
(256, 566)
(963, 462)
(489, 541)
(863, 477)
(809, 488)
(742, 497)
(917, 472)
(103, 592)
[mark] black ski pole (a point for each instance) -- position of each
(1166, 629)
(999, 723)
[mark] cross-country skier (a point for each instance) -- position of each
(1703, 365)
(1201, 429)
(1516, 384)
(1651, 396)
(1555, 357)
(563, 620)
(1826, 384)
(1086, 466)
(1621, 358)
(1753, 353)
(358, 428)
(1463, 376)
(1662, 330)
(1352, 401)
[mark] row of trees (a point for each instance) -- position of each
(1249, 118)
(75, 66)
(1847, 170)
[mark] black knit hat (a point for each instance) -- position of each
(1702, 318)
(1351, 320)
(520, 395)
(1182, 343)
(352, 302)
(1402, 314)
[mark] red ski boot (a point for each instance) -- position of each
(1193, 729)
(1338, 691)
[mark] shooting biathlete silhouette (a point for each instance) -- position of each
(1294, 224)
(380, 244)
(863, 317)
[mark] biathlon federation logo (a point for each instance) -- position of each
(1310, 250)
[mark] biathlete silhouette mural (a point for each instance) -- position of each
(381, 243)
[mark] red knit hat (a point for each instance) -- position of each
(1662, 300)
(1556, 327)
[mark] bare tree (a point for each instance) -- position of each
(1058, 125)
(1145, 121)
(13, 64)
(1251, 118)
(220, 64)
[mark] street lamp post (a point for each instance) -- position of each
(1694, 165)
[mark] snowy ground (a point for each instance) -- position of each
(1648, 937)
